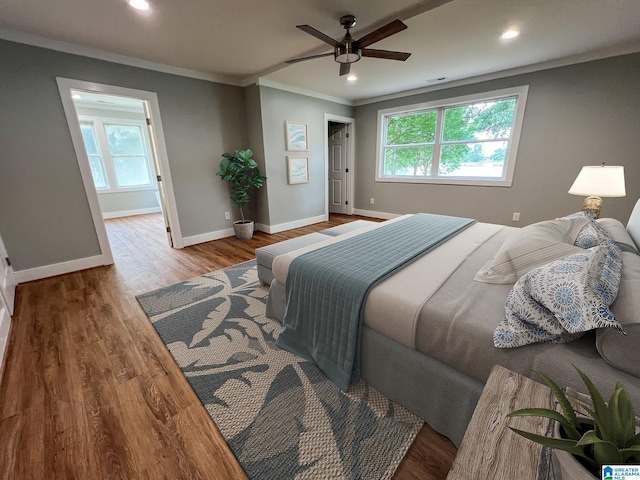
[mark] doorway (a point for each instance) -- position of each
(119, 143)
(339, 158)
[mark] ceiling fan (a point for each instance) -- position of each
(349, 51)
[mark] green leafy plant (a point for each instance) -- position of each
(610, 438)
(241, 171)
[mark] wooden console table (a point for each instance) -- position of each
(489, 449)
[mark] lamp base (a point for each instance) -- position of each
(592, 204)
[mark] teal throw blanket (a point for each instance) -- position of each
(327, 288)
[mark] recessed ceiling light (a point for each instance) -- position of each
(139, 4)
(510, 33)
(352, 78)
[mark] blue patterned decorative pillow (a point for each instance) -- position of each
(561, 300)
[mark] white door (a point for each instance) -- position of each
(7, 279)
(338, 167)
(162, 194)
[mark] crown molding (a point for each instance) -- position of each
(626, 49)
(38, 41)
(301, 91)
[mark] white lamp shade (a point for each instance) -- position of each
(602, 181)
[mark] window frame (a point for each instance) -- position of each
(103, 167)
(519, 93)
(98, 123)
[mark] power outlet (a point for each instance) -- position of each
(372, 201)
(227, 216)
(516, 216)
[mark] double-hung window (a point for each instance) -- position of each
(118, 153)
(471, 140)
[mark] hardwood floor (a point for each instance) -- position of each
(89, 391)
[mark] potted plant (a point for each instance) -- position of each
(241, 171)
(607, 437)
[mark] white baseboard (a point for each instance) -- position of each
(5, 324)
(209, 236)
(281, 227)
(130, 213)
(60, 268)
(372, 214)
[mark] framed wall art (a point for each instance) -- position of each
(296, 135)
(297, 170)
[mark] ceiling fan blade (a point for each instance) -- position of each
(318, 34)
(302, 59)
(382, 32)
(388, 54)
(345, 68)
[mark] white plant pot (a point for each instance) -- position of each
(565, 465)
(244, 230)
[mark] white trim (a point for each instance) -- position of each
(81, 50)
(330, 117)
(208, 237)
(65, 85)
(5, 329)
(301, 91)
(520, 92)
(291, 225)
(130, 213)
(61, 268)
(373, 214)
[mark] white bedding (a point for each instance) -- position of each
(393, 306)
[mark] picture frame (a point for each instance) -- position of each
(298, 170)
(296, 136)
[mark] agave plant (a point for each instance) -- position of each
(611, 438)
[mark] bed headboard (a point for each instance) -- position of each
(633, 227)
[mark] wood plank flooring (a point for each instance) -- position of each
(89, 391)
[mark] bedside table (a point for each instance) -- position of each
(489, 449)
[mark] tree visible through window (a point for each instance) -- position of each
(451, 141)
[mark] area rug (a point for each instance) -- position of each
(279, 413)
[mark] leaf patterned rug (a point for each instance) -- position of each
(281, 416)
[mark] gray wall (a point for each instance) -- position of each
(44, 214)
(111, 203)
(259, 205)
(288, 203)
(577, 115)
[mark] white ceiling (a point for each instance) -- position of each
(243, 41)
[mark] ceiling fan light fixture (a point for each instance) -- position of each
(352, 78)
(346, 54)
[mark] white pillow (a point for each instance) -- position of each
(615, 229)
(633, 227)
(532, 246)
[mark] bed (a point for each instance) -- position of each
(428, 330)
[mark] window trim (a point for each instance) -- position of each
(510, 158)
(98, 123)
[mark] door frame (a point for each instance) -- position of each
(65, 85)
(329, 117)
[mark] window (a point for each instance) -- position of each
(470, 140)
(95, 159)
(126, 164)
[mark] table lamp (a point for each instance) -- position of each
(598, 181)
